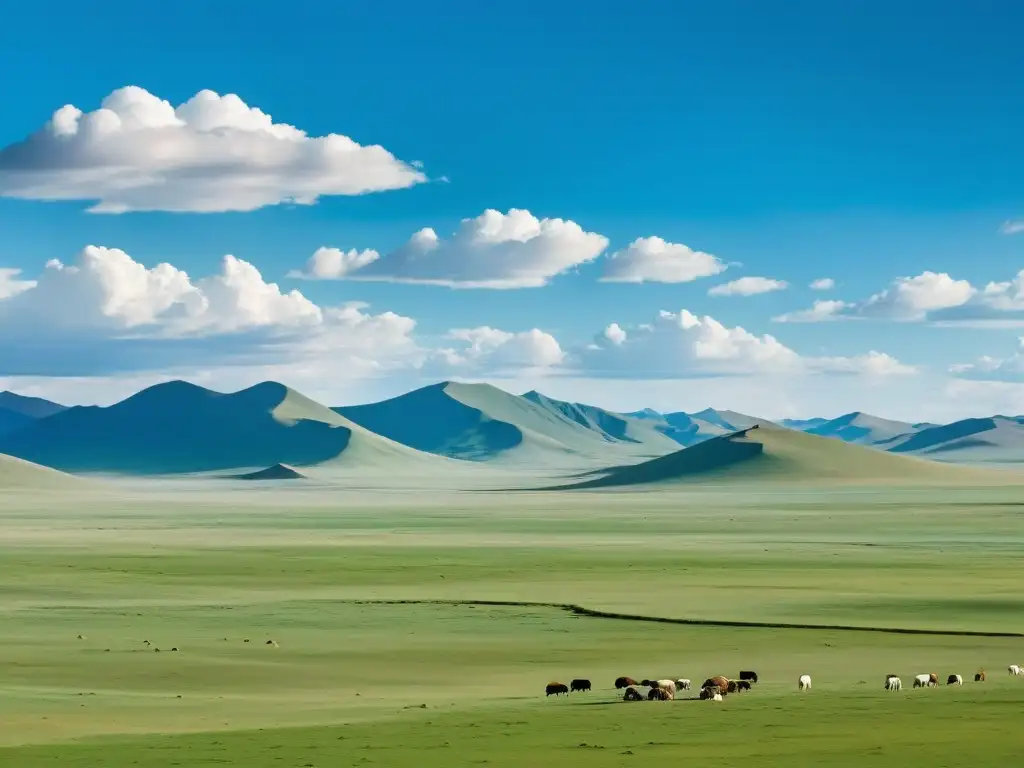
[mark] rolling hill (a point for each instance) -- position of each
(16, 411)
(613, 427)
(996, 439)
(178, 427)
(33, 407)
(276, 472)
(862, 428)
(773, 453)
(683, 428)
(479, 422)
(18, 474)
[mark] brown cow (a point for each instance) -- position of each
(719, 681)
(933, 679)
(556, 688)
(624, 682)
(632, 694)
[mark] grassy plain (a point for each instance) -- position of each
(354, 682)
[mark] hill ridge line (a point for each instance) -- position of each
(594, 613)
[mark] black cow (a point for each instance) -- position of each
(579, 685)
(742, 685)
(632, 694)
(746, 674)
(556, 688)
(624, 682)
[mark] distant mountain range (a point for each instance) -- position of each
(270, 432)
(17, 410)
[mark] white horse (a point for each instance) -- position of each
(804, 684)
(893, 683)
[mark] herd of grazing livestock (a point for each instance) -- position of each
(716, 688)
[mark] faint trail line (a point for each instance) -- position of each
(579, 610)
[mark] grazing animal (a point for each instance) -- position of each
(660, 694)
(682, 684)
(732, 687)
(954, 680)
(933, 680)
(804, 684)
(747, 674)
(922, 681)
(579, 685)
(624, 682)
(556, 688)
(743, 685)
(719, 682)
(632, 694)
(980, 677)
(893, 683)
(666, 685)
(1016, 670)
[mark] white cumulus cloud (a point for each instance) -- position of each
(912, 298)
(495, 350)
(653, 260)
(683, 345)
(334, 263)
(922, 297)
(748, 286)
(212, 153)
(494, 250)
(821, 311)
(11, 282)
(987, 368)
(823, 284)
(1012, 226)
(107, 312)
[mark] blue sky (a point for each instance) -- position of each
(863, 142)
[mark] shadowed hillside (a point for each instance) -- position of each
(480, 422)
(276, 472)
(861, 428)
(614, 427)
(179, 427)
(33, 407)
(772, 453)
(11, 421)
(681, 427)
(997, 439)
(17, 411)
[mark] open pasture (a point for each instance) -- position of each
(355, 679)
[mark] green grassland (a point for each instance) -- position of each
(441, 679)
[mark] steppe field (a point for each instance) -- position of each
(335, 627)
